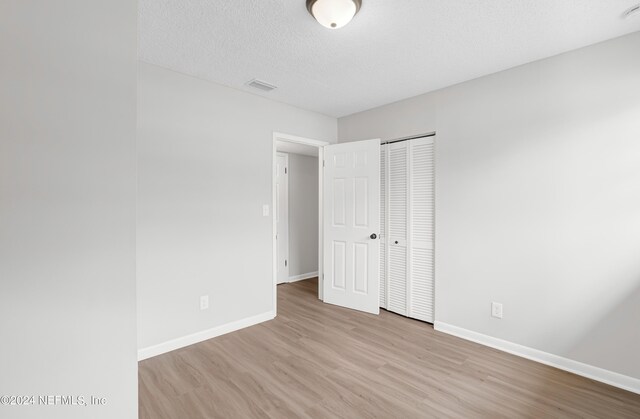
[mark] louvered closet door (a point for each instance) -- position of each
(397, 262)
(383, 226)
(421, 229)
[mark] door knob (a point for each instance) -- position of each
(396, 241)
(373, 236)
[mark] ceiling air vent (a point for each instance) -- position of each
(261, 85)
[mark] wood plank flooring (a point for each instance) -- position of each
(321, 361)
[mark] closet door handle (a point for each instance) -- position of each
(373, 236)
(396, 242)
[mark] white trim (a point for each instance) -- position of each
(302, 277)
(300, 140)
(595, 373)
(197, 337)
(321, 223)
(284, 239)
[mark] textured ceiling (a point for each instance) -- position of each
(393, 49)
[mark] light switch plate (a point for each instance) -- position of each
(204, 302)
(496, 310)
(265, 210)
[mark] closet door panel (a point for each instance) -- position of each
(397, 301)
(421, 228)
(398, 191)
(398, 227)
(383, 275)
(383, 226)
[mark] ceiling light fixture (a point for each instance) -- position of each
(333, 14)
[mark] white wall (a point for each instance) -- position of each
(67, 205)
(303, 214)
(538, 200)
(205, 156)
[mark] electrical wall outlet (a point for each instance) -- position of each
(496, 310)
(204, 302)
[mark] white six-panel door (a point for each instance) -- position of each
(352, 225)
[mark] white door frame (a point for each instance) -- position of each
(282, 236)
(277, 136)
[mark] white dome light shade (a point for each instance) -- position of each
(333, 14)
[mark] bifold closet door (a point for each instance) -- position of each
(407, 220)
(383, 226)
(420, 282)
(397, 228)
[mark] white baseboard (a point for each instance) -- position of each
(595, 373)
(303, 276)
(181, 342)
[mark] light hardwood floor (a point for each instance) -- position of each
(320, 361)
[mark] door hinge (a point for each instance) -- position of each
(285, 170)
(285, 262)
(323, 163)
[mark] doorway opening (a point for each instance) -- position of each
(297, 210)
